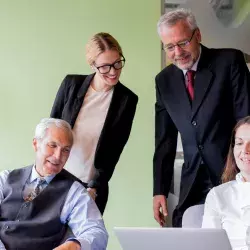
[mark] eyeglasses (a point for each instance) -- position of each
(182, 45)
(104, 69)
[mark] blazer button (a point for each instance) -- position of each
(194, 123)
(200, 147)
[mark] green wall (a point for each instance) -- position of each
(242, 10)
(41, 42)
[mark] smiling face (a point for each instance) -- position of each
(108, 57)
(52, 151)
(242, 150)
(183, 58)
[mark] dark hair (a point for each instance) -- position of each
(231, 169)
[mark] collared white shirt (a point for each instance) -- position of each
(79, 211)
(227, 206)
(194, 68)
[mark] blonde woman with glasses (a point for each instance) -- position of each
(101, 111)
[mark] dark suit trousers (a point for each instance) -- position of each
(102, 196)
(197, 194)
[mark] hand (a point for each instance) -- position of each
(69, 245)
(160, 209)
(92, 193)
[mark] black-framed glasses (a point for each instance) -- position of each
(182, 45)
(104, 69)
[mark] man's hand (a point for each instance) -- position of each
(160, 209)
(69, 245)
(92, 193)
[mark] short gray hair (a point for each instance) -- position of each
(46, 123)
(170, 18)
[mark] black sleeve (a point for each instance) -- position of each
(61, 98)
(165, 148)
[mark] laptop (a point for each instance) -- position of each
(172, 238)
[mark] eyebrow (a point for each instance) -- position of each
(242, 138)
(183, 40)
(56, 143)
(237, 138)
(108, 64)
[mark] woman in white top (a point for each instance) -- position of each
(100, 110)
(227, 206)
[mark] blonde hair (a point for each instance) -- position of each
(99, 43)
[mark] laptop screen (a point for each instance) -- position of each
(172, 238)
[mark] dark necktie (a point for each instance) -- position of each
(190, 83)
(37, 190)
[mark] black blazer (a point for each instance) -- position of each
(221, 97)
(117, 125)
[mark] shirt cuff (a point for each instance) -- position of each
(72, 239)
(85, 245)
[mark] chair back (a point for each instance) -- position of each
(193, 216)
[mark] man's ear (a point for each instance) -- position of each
(35, 144)
(198, 35)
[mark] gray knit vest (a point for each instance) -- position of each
(33, 225)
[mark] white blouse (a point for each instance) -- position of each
(86, 132)
(227, 206)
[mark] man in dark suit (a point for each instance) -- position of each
(201, 95)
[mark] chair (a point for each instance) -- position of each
(192, 217)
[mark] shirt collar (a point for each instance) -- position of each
(34, 175)
(243, 193)
(194, 67)
(239, 178)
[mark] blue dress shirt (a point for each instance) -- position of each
(79, 212)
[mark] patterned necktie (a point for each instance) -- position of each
(37, 190)
(190, 83)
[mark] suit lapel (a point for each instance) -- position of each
(203, 80)
(179, 96)
(75, 109)
(84, 88)
(116, 106)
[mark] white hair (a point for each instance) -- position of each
(170, 18)
(46, 123)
